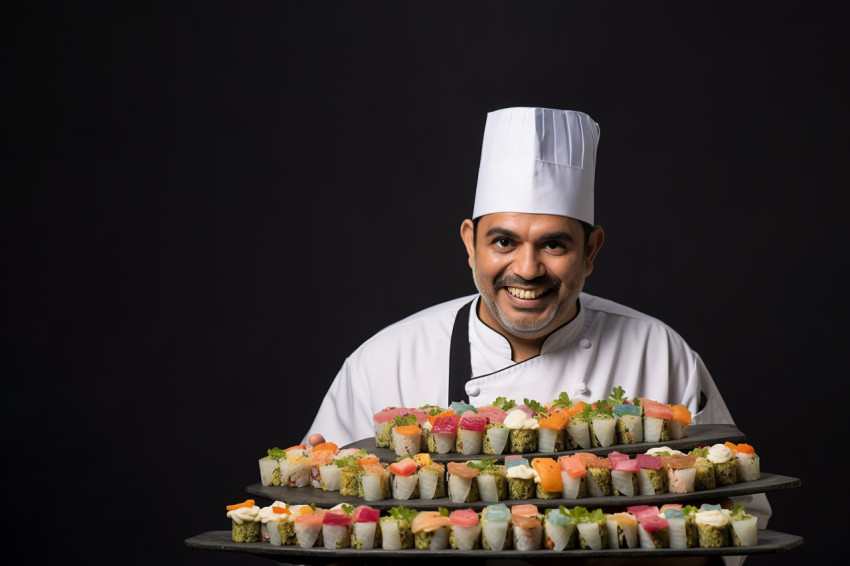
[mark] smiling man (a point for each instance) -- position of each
(530, 331)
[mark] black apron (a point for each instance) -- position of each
(460, 363)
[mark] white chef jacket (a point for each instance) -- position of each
(606, 345)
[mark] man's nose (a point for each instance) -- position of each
(527, 263)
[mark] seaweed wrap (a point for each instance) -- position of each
(520, 478)
(396, 533)
(713, 524)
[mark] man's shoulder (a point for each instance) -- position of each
(432, 321)
(595, 306)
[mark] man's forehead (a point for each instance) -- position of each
(527, 222)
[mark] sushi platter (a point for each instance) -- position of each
(306, 495)
(698, 435)
(769, 542)
(616, 497)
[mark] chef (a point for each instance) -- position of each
(530, 331)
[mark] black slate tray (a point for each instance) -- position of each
(327, 499)
(698, 435)
(769, 542)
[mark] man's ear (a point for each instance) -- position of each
(467, 234)
(594, 244)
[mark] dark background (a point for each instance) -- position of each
(208, 205)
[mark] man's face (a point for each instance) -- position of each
(529, 269)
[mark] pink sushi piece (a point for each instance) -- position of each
(658, 411)
(638, 510)
(513, 457)
(365, 514)
(421, 416)
(615, 456)
(389, 414)
(625, 465)
(649, 461)
(445, 425)
(652, 522)
(473, 423)
(336, 517)
(464, 517)
(492, 414)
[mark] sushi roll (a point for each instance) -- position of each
(679, 422)
(396, 533)
(629, 424)
(432, 478)
(492, 480)
(270, 466)
(462, 485)
(336, 528)
(682, 529)
(520, 476)
(573, 477)
(559, 530)
(431, 530)
(407, 439)
(598, 474)
(578, 430)
(269, 518)
(603, 424)
(744, 531)
(653, 527)
(622, 530)
(330, 473)
(552, 432)
(294, 469)
(629, 429)
(496, 528)
(713, 524)
(382, 421)
(495, 432)
(522, 430)
(404, 479)
(656, 421)
(547, 478)
(365, 531)
(681, 472)
(321, 455)
(624, 474)
(470, 434)
(465, 530)
(444, 433)
(725, 469)
(527, 523)
(591, 527)
(705, 476)
(308, 527)
(747, 463)
(652, 478)
(375, 482)
(245, 523)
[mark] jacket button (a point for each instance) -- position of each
(474, 391)
(582, 387)
(584, 343)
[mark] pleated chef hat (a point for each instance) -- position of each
(537, 160)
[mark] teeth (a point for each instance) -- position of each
(522, 293)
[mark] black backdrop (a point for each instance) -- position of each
(208, 205)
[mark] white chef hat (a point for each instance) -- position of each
(537, 160)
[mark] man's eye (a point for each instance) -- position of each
(554, 245)
(502, 242)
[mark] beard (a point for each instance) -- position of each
(523, 328)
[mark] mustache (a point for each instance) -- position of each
(517, 281)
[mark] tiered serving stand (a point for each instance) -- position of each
(769, 541)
